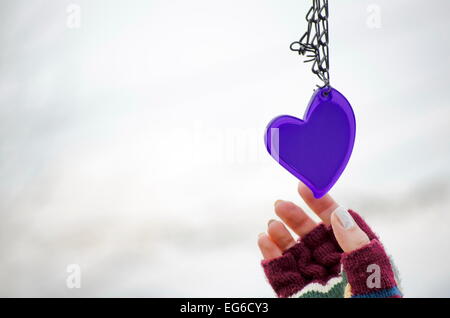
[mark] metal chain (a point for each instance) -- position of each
(314, 43)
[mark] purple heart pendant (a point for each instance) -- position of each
(316, 149)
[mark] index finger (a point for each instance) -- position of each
(323, 207)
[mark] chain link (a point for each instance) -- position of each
(314, 43)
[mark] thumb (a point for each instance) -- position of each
(348, 234)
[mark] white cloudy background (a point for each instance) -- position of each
(133, 145)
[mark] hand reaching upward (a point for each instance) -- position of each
(341, 255)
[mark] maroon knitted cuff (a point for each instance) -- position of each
(316, 258)
(368, 269)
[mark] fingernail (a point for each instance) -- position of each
(270, 221)
(344, 217)
(277, 202)
(261, 234)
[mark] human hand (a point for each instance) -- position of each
(311, 266)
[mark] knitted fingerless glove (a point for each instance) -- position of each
(312, 268)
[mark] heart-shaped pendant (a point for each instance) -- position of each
(316, 149)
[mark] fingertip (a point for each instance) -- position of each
(302, 188)
(261, 240)
(281, 205)
(347, 232)
(268, 248)
(294, 217)
(277, 202)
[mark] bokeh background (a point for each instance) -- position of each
(131, 139)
